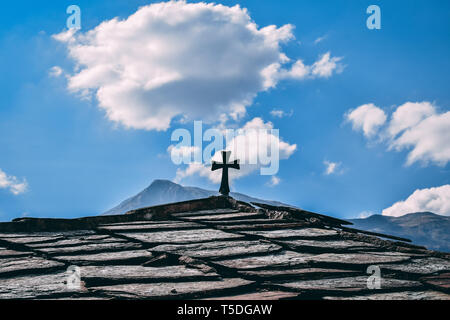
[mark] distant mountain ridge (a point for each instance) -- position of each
(423, 228)
(165, 191)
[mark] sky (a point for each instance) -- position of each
(86, 116)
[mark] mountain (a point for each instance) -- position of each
(165, 191)
(423, 228)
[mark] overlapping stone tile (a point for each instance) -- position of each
(182, 236)
(259, 295)
(423, 266)
(346, 285)
(52, 285)
(90, 248)
(149, 227)
(204, 213)
(174, 290)
(285, 259)
(27, 265)
(297, 273)
(106, 275)
(7, 253)
(357, 259)
(304, 233)
(226, 216)
(440, 282)
(219, 249)
(403, 295)
(329, 245)
(107, 258)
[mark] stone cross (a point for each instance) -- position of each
(224, 187)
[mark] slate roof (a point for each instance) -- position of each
(214, 248)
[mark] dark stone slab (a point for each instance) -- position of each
(106, 275)
(6, 253)
(228, 216)
(305, 233)
(329, 246)
(423, 266)
(74, 242)
(107, 258)
(285, 259)
(347, 285)
(440, 282)
(358, 258)
(29, 265)
(219, 249)
(262, 226)
(297, 273)
(246, 222)
(37, 287)
(204, 212)
(403, 295)
(151, 227)
(182, 236)
(261, 295)
(28, 240)
(174, 290)
(90, 248)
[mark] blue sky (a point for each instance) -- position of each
(77, 162)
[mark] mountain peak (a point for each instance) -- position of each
(162, 191)
(162, 183)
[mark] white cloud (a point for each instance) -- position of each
(326, 65)
(14, 185)
(274, 181)
(55, 71)
(319, 39)
(176, 59)
(368, 118)
(416, 127)
(332, 167)
(244, 146)
(436, 200)
(278, 113)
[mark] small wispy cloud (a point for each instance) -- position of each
(274, 181)
(11, 183)
(332, 167)
(278, 113)
(320, 39)
(55, 71)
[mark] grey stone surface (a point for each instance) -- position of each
(306, 233)
(347, 284)
(403, 295)
(37, 286)
(93, 247)
(219, 249)
(182, 237)
(285, 259)
(151, 226)
(30, 265)
(357, 258)
(123, 257)
(136, 274)
(423, 266)
(173, 289)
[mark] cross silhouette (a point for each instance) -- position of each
(224, 187)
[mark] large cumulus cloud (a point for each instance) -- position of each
(169, 60)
